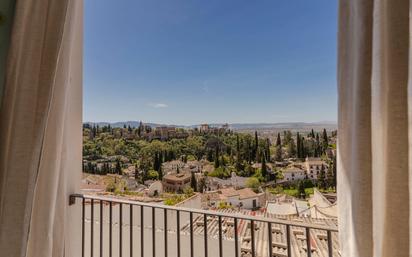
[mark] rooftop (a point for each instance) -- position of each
(177, 176)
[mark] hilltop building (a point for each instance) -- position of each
(176, 182)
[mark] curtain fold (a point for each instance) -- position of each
(373, 149)
(41, 130)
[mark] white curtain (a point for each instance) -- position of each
(41, 130)
(374, 131)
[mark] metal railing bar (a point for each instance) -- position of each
(308, 243)
(153, 231)
(288, 241)
(101, 228)
(91, 227)
(83, 225)
(213, 213)
(165, 231)
(120, 229)
(178, 232)
(252, 239)
(110, 229)
(191, 234)
(236, 238)
(205, 233)
(330, 249)
(131, 230)
(220, 237)
(141, 231)
(270, 239)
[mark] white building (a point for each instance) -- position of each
(244, 198)
(293, 174)
(313, 167)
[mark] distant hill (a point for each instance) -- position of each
(329, 125)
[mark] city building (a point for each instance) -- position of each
(293, 174)
(313, 167)
(176, 182)
(204, 128)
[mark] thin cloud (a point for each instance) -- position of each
(158, 105)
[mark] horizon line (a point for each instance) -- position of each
(212, 123)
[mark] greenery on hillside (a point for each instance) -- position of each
(110, 150)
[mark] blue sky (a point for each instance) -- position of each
(194, 61)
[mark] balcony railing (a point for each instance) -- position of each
(115, 227)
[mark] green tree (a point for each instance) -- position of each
(267, 150)
(278, 153)
(217, 162)
(322, 178)
(278, 140)
(193, 182)
(303, 150)
(253, 183)
(264, 167)
(325, 140)
(329, 177)
(291, 148)
(152, 174)
(238, 154)
(256, 147)
(317, 146)
(136, 172)
(160, 172)
(301, 189)
(118, 167)
(312, 134)
(202, 184)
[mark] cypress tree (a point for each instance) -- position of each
(139, 129)
(322, 178)
(238, 156)
(118, 168)
(193, 182)
(267, 149)
(278, 141)
(264, 167)
(256, 147)
(278, 153)
(160, 172)
(329, 177)
(301, 189)
(302, 147)
(325, 140)
(298, 145)
(325, 136)
(217, 164)
(317, 146)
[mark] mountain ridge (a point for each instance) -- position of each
(235, 126)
